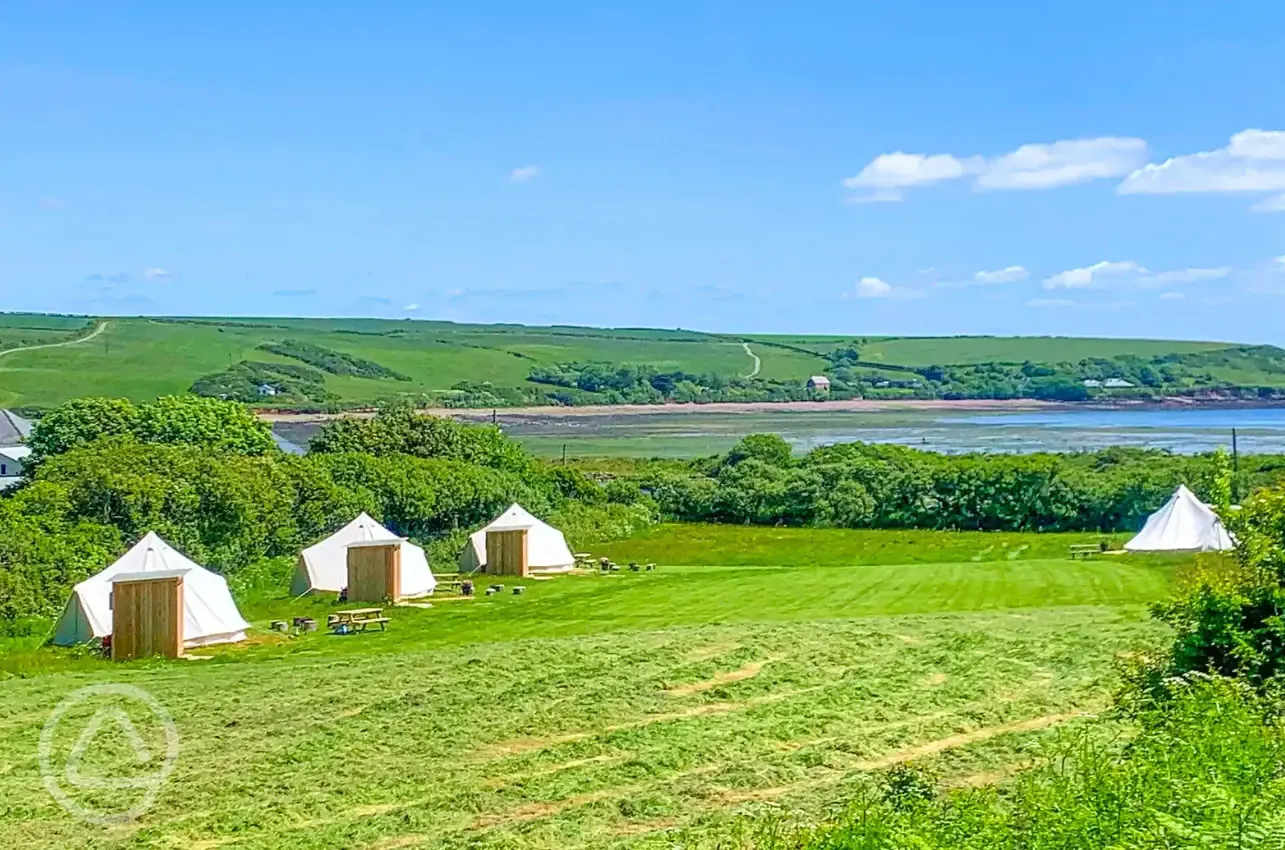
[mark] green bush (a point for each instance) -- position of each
(210, 423)
(334, 362)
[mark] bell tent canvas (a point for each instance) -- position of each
(547, 550)
(323, 568)
(1184, 524)
(209, 614)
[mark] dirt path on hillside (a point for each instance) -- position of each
(98, 330)
(758, 364)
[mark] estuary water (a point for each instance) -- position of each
(1182, 430)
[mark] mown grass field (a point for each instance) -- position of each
(21, 331)
(630, 710)
(143, 358)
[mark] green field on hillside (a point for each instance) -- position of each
(144, 358)
(644, 709)
(929, 351)
(19, 331)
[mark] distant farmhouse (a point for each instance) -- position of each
(1108, 384)
(819, 382)
(14, 431)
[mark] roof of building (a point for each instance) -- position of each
(18, 453)
(1117, 383)
(287, 446)
(819, 379)
(13, 428)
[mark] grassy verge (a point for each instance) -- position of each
(735, 545)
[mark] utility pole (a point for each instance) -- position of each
(495, 416)
(1235, 467)
(564, 454)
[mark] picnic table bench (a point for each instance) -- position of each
(357, 619)
(1085, 550)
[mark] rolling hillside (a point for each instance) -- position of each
(353, 361)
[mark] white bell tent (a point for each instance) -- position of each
(323, 568)
(547, 550)
(209, 614)
(1184, 524)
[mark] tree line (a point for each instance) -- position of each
(206, 475)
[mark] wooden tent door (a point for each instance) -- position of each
(506, 552)
(375, 572)
(147, 618)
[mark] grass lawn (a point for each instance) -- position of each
(735, 545)
(636, 709)
(644, 710)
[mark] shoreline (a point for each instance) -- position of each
(851, 406)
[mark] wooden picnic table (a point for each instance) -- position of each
(357, 619)
(1084, 550)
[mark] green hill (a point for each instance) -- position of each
(347, 362)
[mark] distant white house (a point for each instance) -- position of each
(267, 390)
(11, 459)
(819, 382)
(1092, 383)
(1116, 384)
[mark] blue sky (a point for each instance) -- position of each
(855, 168)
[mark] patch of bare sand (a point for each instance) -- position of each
(935, 680)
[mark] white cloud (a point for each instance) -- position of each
(1252, 161)
(411, 308)
(1162, 279)
(1011, 274)
(1044, 166)
(1051, 302)
(1093, 275)
(1276, 203)
(1173, 296)
(1032, 166)
(873, 287)
(157, 274)
(891, 171)
(524, 174)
